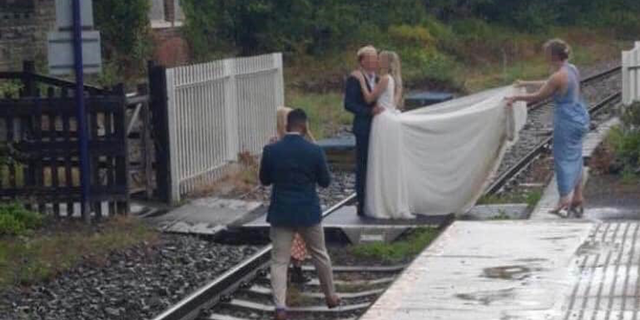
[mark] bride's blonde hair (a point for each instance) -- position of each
(395, 69)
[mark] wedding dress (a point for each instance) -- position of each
(438, 160)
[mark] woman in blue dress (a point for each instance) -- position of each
(570, 124)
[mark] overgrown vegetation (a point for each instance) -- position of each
(624, 142)
(399, 250)
(9, 88)
(531, 198)
(439, 41)
(126, 43)
(16, 220)
(29, 259)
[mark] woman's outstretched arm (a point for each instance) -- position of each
(546, 91)
(370, 97)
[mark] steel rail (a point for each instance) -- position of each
(207, 296)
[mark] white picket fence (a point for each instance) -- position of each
(216, 111)
(631, 75)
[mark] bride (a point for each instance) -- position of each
(386, 144)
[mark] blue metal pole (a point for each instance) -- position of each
(81, 112)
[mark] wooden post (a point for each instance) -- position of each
(122, 161)
(145, 142)
(29, 85)
(160, 123)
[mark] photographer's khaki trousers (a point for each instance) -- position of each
(282, 238)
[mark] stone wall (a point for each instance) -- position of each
(23, 33)
(24, 28)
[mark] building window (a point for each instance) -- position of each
(165, 13)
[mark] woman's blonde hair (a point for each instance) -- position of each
(558, 48)
(281, 121)
(281, 124)
(395, 69)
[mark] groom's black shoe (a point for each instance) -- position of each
(360, 212)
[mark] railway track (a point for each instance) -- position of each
(243, 292)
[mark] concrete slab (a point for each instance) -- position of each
(347, 142)
(205, 215)
(369, 234)
(347, 216)
(488, 270)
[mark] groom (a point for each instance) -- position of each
(355, 103)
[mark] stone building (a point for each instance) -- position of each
(24, 25)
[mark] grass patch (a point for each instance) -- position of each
(399, 250)
(296, 298)
(502, 215)
(43, 255)
(531, 198)
(326, 112)
(630, 178)
(352, 287)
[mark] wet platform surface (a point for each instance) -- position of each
(490, 270)
(607, 286)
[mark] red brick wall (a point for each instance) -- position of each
(171, 49)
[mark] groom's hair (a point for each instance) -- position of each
(366, 50)
(296, 119)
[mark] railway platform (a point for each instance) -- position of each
(520, 270)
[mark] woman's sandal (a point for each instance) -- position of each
(562, 212)
(577, 208)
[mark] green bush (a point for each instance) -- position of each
(125, 31)
(399, 250)
(625, 139)
(405, 35)
(16, 220)
(9, 88)
(427, 64)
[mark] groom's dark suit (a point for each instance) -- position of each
(355, 103)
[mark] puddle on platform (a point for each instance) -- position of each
(507, 273)
(488, 297)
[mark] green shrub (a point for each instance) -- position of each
(9, 88)
(9, 225)
(16, 220)
(427, 64)
(405, 35)
(125, 31)
(625, 139)
(398, 250)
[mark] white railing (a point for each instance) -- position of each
(216, 111)
(631, 75)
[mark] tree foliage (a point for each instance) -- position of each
(316, 27)
(124, 27)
